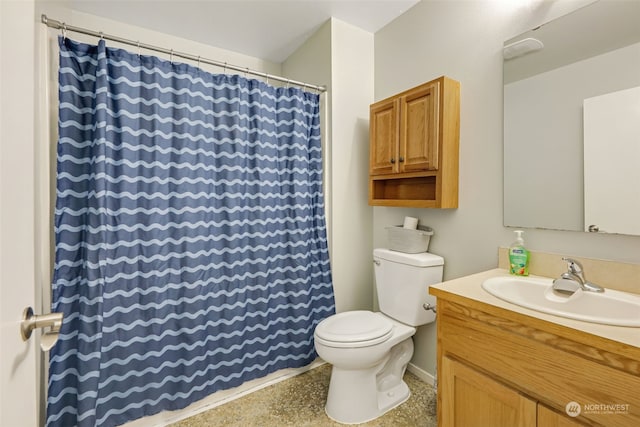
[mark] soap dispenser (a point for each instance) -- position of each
(518, 256)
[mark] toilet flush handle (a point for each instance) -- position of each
(427, 306)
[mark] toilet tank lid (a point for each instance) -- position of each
(424, 259)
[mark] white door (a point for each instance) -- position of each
(19, 361)
(611, 162)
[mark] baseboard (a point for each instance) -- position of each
(422, 374)
(220, 398)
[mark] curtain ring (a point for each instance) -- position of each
(171, 57)
(64, 31)
(224, 70)
(267, 78)
(198, 61)
(101, 36)
(138, 48)
(304, 87)
(287, 86)
(246, 71)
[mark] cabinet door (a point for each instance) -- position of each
(383, 136)
(419, 129)
(549, 418)
(470, 399)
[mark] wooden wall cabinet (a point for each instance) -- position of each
(500, 368)
(414, 142)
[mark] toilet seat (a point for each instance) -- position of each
(354, 329)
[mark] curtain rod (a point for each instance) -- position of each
(52, 23)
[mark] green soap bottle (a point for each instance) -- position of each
(518, 256)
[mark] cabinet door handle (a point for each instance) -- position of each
(401, 159)
(393, 160)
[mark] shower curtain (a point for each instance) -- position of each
(191, 251)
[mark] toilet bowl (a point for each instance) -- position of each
(369, 350)
(359, 359)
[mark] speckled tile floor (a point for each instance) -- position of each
(299, 402)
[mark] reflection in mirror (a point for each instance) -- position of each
(614, 118)
(556, 96)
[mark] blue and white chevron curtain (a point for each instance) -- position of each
(191, 251)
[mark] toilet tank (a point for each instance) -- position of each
(402, 282)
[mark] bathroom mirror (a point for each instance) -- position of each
(566, 166)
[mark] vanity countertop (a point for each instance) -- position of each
(468, 291)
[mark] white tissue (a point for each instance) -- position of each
(410, 223)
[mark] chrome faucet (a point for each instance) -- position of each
(573, 279)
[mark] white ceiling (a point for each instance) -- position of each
(265, 29)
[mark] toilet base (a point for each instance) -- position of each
(361, 395)
(387, 400)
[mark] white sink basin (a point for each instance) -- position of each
(610, 307)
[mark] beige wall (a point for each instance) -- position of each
(463, 40)
(352, 92)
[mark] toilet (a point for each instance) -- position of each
(369, 350)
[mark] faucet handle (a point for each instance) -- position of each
(575, 273)
(573, 266)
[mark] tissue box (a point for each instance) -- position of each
(408, 240)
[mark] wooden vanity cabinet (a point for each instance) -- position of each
(414, 140)
(501, 368)
(474, 399)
